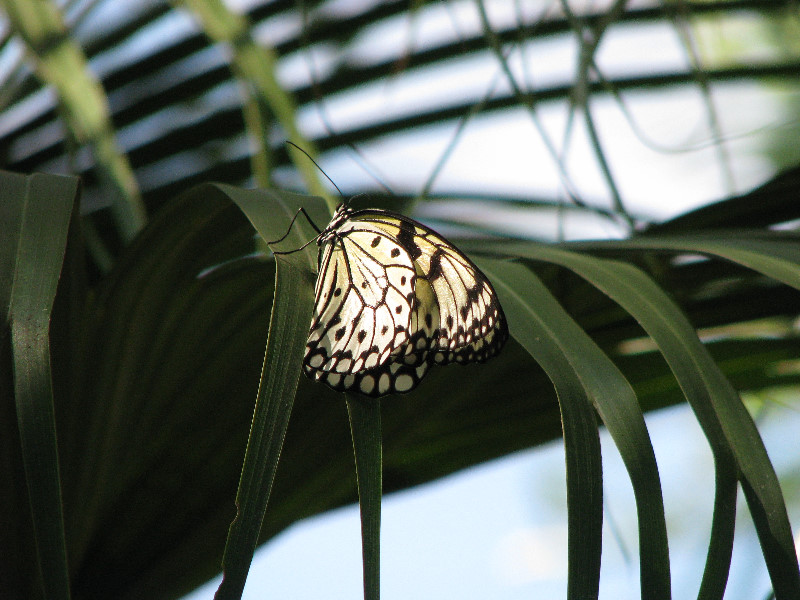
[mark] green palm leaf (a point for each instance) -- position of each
(155, 342)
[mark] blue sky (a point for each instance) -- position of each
(499, 530)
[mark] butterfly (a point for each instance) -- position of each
(392, 298)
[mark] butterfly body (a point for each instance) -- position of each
(393, 297)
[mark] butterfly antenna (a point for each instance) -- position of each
(308, 156)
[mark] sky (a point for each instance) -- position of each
(660, 144)
(498, 530)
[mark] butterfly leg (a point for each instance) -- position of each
(289, 229)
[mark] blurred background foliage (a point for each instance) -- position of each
(546, 120)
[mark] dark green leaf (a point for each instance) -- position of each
(291, 314)
(616, 404)
(154, 431)
(774, 255)
(697, 374)
(42, 211)
(365, 427)
(528, 324)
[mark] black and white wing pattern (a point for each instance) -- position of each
(392, 298)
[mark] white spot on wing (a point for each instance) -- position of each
(367, 384)
(403, 383)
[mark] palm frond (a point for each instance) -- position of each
(156, 346)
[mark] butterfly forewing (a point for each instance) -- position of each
(407, 364)
(363, 302)
(393, 297)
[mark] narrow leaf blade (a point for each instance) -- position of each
(43, 226)
(616, 403)
(581, 440)
(365, 428)
(291, 314)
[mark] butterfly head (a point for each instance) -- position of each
(343, 212)
(341, 215)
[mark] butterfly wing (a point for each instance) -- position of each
(471, 324)
(408, 364)
(364, 301)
